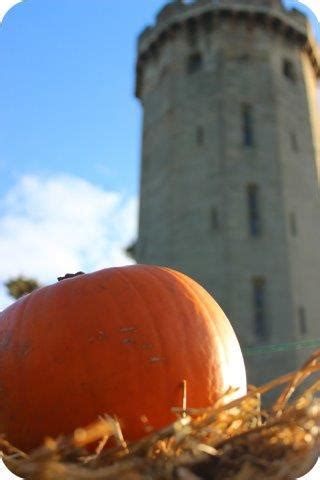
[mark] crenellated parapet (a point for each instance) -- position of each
(208, 14)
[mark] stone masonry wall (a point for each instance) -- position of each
(196, 170)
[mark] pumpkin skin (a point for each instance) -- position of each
(118, 341)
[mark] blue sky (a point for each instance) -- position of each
(67, 82)
(69, 134)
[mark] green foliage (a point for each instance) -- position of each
(19, 286)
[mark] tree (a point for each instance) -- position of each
(19, 286)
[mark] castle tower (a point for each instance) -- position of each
(230, 165)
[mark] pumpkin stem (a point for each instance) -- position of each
(69, 275)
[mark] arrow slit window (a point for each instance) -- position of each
(253, 210)
(259, 305)
(194, 63)
(289, 70)
(247, 125)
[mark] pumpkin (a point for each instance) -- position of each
(119, 341)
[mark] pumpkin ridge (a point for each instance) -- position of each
(221, 325)
(174, 311)
(176, 280)
(147, 308)
(181, 280)
(213, 324)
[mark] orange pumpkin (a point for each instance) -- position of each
(117, 341)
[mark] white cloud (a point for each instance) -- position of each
(51, 226)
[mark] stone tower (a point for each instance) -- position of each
(230, 165)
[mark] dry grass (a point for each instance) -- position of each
(237, 441)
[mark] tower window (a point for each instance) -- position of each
(259, 306)
(244, 57)
(200, 135)
(214, 219)
(293, 224)
(194, 63)
(207, 20)
(191, 30)
(302, 320)
(288, 70)
(253, 210)
(294, 142)
(247, 125)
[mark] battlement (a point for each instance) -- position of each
(179, 12)
(266, 13)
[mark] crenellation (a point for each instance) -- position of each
(145, 34)
(171, 14)
(208, 16)
(299, 18)
(170, 10)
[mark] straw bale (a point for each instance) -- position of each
(237, 440)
